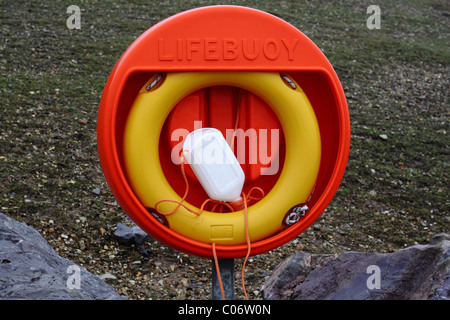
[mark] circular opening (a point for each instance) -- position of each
(248, 124)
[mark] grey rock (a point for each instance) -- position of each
(31, 270)
(420, 272)
(127, 235)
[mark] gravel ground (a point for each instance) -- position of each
(394, 193)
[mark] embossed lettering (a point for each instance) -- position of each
(271, 49)
(192, 45)
(180, 49)
(226, 49)
(246, 51)
(211, 49)
(290, 47)
(161, 55)
(230, 49)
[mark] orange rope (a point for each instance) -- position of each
(233, 206)
(218, 271)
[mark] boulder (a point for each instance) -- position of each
(420, 272)
(130, 235)
(31, 270)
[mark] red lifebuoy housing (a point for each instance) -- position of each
(223, 38)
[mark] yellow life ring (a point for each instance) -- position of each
(265, 218)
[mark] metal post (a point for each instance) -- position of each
(226, 267)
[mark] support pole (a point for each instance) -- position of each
(226, 267)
